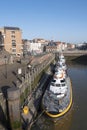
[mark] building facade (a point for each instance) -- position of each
(35, 47)
(12, 40)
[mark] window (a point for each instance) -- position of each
(13, 40)
(58, 85)
(53, 80)
(52, 84)
(62, 80)
(63, 85)
(14, 50)
(13, 36)
(13, 32)
(13, 43)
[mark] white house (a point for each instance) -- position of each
(35, 47)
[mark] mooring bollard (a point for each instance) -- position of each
(14, 108)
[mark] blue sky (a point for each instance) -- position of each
(61, 20)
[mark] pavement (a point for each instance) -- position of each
(9, 74)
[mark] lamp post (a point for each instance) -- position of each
(5, 66)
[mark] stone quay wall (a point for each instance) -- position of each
(27, 83)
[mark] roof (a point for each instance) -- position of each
(11, 28)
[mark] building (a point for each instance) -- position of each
(12, 40)
(35, 47)
(40, 40)
(26, 47)
(1, 41)
(71, 46)
(51, 47)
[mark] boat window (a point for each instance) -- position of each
(58, 85)
(52, 84)
(63, 84)
(53, 80)
(62, 80)
(58, 93)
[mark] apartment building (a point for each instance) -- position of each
(12, 40)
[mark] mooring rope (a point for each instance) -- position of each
(38, 117)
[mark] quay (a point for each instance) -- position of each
(75, 53)
(19, 90)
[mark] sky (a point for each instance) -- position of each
(58, 20)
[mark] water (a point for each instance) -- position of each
(76, 118)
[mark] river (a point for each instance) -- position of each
(76, 118)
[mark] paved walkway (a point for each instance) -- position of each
(8, 74)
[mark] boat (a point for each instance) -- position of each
(57, 99)
(62, 58)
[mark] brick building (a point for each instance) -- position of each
(12, 40)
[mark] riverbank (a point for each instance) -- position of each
(77, 59)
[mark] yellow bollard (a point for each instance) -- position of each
(26, 110)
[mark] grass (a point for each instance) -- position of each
(16, 125)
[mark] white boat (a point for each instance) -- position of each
(60, 73)
(61, 62)
(58, 87)
(57, 98)
(62, 58)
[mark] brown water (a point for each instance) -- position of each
(76, 118)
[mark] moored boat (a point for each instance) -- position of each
(57, 98)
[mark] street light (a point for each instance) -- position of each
(5, 66)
